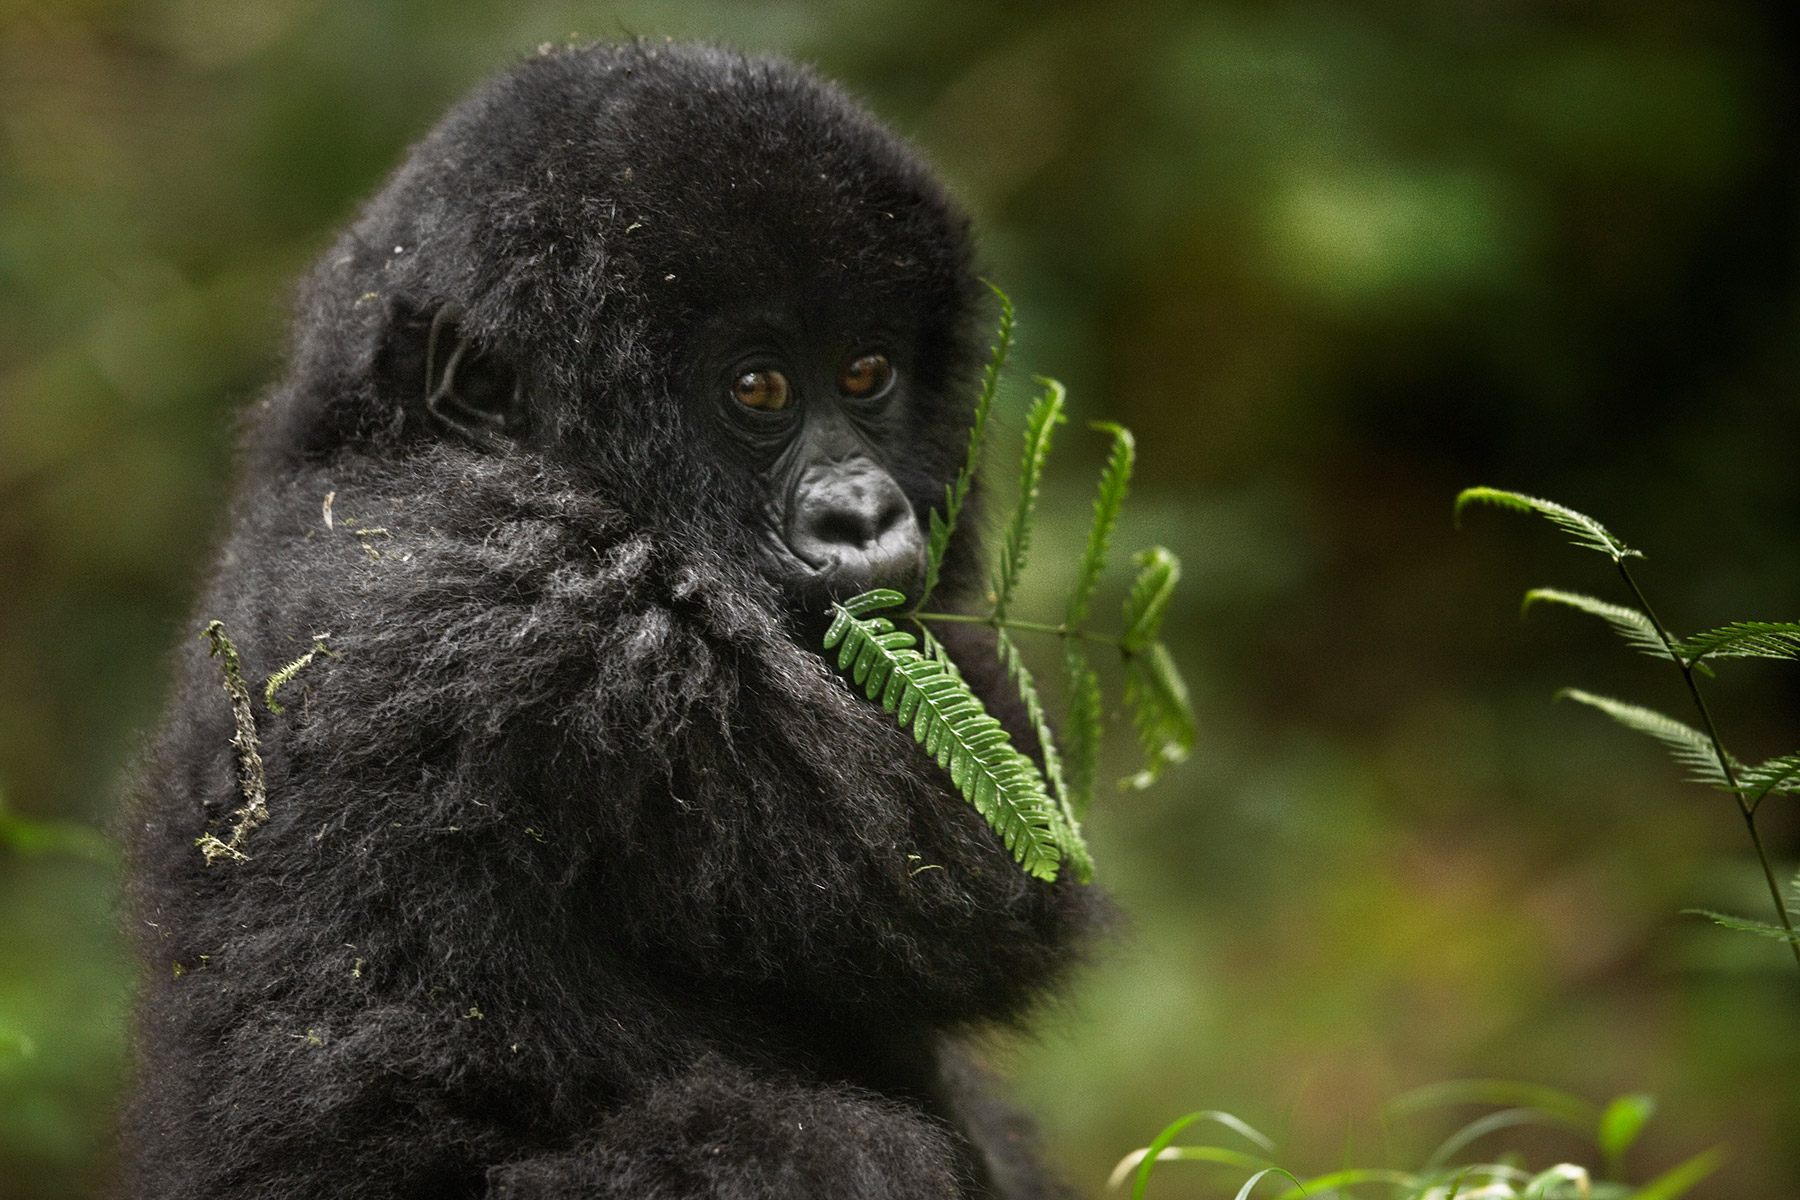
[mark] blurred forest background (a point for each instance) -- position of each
(1332, 260)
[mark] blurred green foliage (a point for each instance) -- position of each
(1331, 259)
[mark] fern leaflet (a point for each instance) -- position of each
(1115, 481)
(1158, 572)
(1154, 691)
(1073, 847)
(1161, 710)
(1774, 777)
(1746, 925)
(1687, 745)
(931, 699)
(942, 526)
(1040, 428)
(1583, 530)
(1745, 639)
(1629, 623)
(1081, 728)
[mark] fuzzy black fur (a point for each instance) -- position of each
(583, 874)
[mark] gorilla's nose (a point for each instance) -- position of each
(851, 522)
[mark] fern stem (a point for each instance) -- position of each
(1712, 732)
(1012, 623)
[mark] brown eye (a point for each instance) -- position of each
(867, 376)
(767, 390)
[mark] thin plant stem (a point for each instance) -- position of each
(1712, 733)
(1011, 623)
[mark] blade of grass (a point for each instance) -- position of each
(1500, 1092)
(1506, 1118)
(1173, 1130)
(1620, 1125)
(1255, 1179)
(1211, 1154)
(1678, 1180)
(1350, 1177)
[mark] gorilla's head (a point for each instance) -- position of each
(711, 283)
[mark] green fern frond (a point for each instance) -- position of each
(1115, 481)
(1745, 639)
(948, 720)
(1040, 429)
(942, 526)
(1081, 728)
(1683, 1177)
(1687, 745)
(1629, 623)
(1158, 572)
(1036, 813)
(1074, 848)
(1746, 925)
(1583, 530)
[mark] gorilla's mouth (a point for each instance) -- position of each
(814, 581)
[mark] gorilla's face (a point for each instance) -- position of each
(816, 417)
(730, 298)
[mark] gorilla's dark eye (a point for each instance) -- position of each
(866, 376)
(767, 390)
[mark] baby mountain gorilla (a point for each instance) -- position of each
(580, 873)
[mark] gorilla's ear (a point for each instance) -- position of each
(458, 384)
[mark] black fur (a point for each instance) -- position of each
(583, 874)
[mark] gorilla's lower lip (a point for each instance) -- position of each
(842, 580)
(814, 586)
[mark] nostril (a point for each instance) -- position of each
(893, 513)
(838, 526)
